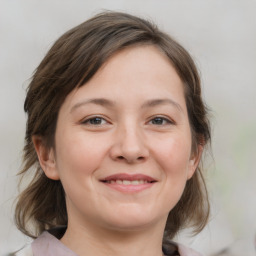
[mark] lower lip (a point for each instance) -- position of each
(129, 188)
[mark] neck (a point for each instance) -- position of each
(96, 241)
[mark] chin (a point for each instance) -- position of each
(132, 221)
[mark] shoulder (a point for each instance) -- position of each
(171, 248)
(185, 251)
(25, 251)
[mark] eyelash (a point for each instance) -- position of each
(163, 119)
(99, 119)
(89, 121)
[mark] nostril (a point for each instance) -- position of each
(140, 158)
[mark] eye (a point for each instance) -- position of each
(160, 121)
(97, 120)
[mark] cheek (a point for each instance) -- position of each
(174, 156)
(77, 155)
(77, 159)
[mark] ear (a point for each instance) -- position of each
(46, 158)
(194, 160)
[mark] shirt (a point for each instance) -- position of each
(49, 245)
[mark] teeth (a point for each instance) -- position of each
(135, 182)
(127, 182)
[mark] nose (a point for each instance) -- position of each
(129, 145)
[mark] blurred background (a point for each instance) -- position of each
(219, 34)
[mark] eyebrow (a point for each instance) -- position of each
(96, 101)
(109, 103)
(157, 102)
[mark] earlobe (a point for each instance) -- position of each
(194, 161)
(46, 158)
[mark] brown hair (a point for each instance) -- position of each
(70, 63)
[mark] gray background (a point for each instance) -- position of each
(220, 35)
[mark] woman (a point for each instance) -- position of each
(115, 132)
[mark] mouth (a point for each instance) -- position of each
(129, 183)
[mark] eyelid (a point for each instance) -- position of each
(85, 120)
(169, 120)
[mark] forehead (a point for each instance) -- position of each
(141, 71)
(139, 59)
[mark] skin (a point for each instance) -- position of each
(130, 118)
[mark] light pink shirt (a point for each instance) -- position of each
(48, 245)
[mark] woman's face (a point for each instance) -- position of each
(123, 143)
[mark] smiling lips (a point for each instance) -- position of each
(129, 183)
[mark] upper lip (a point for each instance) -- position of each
(130, 177)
